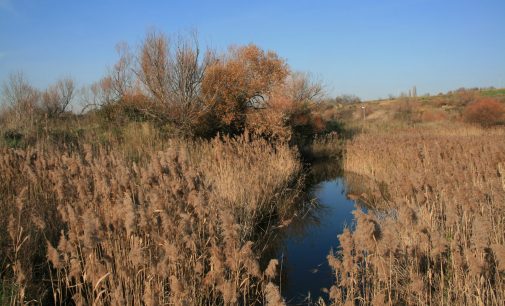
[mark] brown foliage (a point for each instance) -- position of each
(464, 97)
(433, 115)
(242, 79)
(177, 228)
(438, 236)
(57, 97)
(485, 111)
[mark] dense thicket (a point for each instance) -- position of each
(436, 232)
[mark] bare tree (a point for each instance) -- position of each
(57, 97)
(97, 95)
(154, 65)
(119, 82)
(303, 88)
(20, 97)
(347, 99)
(173, 74)
(121, 75)
(188, 69)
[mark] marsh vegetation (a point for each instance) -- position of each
(184, 167)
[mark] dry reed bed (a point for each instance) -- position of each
(443, 241)
(180, 229)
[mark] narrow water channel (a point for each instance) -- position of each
(308, 240)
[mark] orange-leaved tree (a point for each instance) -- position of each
(485, 111)
(240, 80)
(289, 109)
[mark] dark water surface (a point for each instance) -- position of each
(308, 240)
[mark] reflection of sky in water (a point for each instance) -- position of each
(305, 265)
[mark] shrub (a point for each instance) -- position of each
(464, 97)
(407, 110)
(240, 81)
(433, 115)
(347, 99)
(22, 100)
(64, 138)
(486, 112)
(13, 138)
(57, 97)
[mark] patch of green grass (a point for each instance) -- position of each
(13, 138)
(493, 92)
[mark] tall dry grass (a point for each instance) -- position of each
(439, 235)
(93, 227)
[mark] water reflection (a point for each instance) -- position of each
(372, 193)
(302, 246)
(305, 267)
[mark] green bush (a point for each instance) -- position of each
(13, 138)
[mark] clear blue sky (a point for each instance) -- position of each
(368, 48)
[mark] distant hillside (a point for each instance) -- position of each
(451, 108)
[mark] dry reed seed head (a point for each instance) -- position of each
(93, 208)
(476, 264)
(271, 270)
(229, 291)
(53, 256)
(21, 198)
(176, 290)
(499, 254)
(249, 259)
(452, 215)
(422, 237)
(273, 296)
(91, 229)
(334, 262)
(367, 232)
(349, 302)
(416, 285)
(12, 228)
(63, 244)
(438, 245)
(75, 270)
(19, 273)
(407, 215)
(451, 168)
(148, 296)
(78, 299)
(129, 214)
(346, 241)
(217, 265)
(379, 299)
(481, 228)
(136, 253)
(199, 268)
(335, 295)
